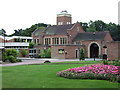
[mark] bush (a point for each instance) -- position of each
(11, 59)
(9, 52)
(117, 62)
(82, 55)
(46, 53)
(47, 61)
(18, 60)
(105, 62)
(42, 53)
(24, 52)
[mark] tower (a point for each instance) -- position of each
(64, 18)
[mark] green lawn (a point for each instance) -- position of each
(44, 76)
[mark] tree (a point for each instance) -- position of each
(28, 31)
(48, 53)
(100, 25)
(3, 32)
(42, 53)
(31, 44)
(91, 27)
(84, 26)
(82, 55)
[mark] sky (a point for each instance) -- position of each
(17, 14)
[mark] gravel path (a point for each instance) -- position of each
(26, 61)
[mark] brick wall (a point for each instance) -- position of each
(113, 50)
(69, 51)
(108, 37)
(2, 40)
(73, 32)
(64, 19)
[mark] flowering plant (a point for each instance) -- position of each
(96, 71)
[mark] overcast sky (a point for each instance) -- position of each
(17, 14)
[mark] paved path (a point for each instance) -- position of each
(26, 61)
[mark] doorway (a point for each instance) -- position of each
(94, 50)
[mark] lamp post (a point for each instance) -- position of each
(43, 40)
(3, 33)
(94, 49)
(79, 52)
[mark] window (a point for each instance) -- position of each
(60, 23)
(47, 41)
(63, 40)
(60, 51)
(68, 22)
(77, 43)
(55, 40)
(35, 51)
(37, 40)
(38, 51)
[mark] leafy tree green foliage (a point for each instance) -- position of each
(99, 25)
(114, 31)
(10, 54)
(3, 32)
(84, 25)
(82, 55)
(43, 53)
(28, 31)
(91, 27)
(46, 53)
(31, 44)
(24, 52)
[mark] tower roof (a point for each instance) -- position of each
(64, 13)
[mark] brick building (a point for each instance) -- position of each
(66, 39)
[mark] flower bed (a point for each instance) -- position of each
(96, 71)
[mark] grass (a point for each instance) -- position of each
(44, 76)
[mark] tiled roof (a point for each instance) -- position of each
(38, 32)
(90, 36)
(58, 29)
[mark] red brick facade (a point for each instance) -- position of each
(64, 20)
(100, 39)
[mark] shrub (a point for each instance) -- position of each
(117, 62)
(46, 53)
(47, 61)
(18, 60)
(97, 71)
(24, 52)
(31, 44)
(42, 53)
(9, 52)
(82, 55)
(105, 62)
(11, 59)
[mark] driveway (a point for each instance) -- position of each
(26, 61)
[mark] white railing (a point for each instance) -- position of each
(14, 44)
